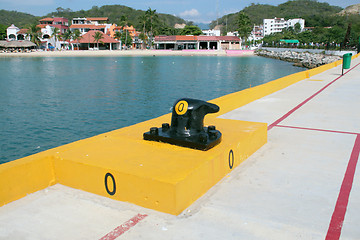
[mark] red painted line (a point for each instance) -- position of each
(317, 129)
(306, 100)
(338, 216)
(124, 227)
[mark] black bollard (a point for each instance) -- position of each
(187, 126)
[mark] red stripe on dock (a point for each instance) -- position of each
(317, 129)
(123, 227)
(306, 100)
(338, 216)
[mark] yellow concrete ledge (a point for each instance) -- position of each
(154, 175)
(24, 176)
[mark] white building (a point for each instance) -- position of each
(232, 34)
(211, 32)
(292, 22)
(278, 24)
(12, 32)
(47, 40)
(84, 25)
(257, 33)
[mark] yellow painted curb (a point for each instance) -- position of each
(156, 175)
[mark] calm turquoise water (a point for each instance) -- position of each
(48, 102)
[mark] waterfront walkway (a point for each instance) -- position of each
(303, 184)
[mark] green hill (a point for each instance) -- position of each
(315, 13)
(113, 12)
(18, 18)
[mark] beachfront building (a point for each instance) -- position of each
(175, 42)
(180, 42)
(87, 42)
(14, 33)
(85, 25)
(57, 22)
(276, 25)
(47, 37)
(130, 31)
(50, 40)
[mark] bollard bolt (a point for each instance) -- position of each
(154, 131)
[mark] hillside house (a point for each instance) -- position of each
(276, 25)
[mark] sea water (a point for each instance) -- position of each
(48, 102)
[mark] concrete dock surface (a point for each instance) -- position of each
(303, 184)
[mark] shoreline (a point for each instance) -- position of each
(126, 53)
(302, 59)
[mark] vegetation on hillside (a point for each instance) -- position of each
(343, 35)
(18, 18)
(2, 31)
(329, 30)
(115, 13)
(314, 13)
(244, 24)
(190, 30)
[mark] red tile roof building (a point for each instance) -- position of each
(179, 42)
(59, 22)
(84, 25)
(87, 41)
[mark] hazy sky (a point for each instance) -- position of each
(194, 10)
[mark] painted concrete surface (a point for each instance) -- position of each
(289, 189)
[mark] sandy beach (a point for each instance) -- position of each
(119, 53)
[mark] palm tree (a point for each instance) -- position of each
(97, 37)
(117, 36)
(126, 41)
(123, 23)
(67, 35)
(76, 36)
(55, 34)
(152, 17)
(143, 37)
(143, 19)
(244, 25)
(34, 32)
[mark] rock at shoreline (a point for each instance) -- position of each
(304, 59)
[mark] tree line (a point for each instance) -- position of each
(336, 37)
(316, 14)
(329, 29)
(149, 24)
